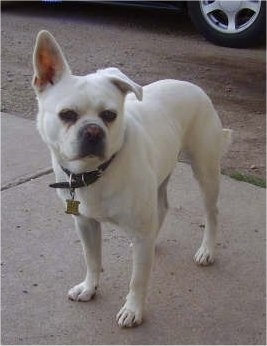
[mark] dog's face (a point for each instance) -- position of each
(80, 118)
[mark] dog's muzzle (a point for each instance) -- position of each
(92, 141)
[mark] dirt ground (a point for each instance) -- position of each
(147, 45)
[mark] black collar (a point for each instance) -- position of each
(82, 179)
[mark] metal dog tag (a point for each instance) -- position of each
(72, 204)
(72, 207)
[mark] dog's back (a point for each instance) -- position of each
(177, 116)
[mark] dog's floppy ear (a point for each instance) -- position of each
(49, 62)
(122, 82)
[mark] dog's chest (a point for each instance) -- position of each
(100, 201)
(98, 206)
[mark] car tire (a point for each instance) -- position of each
(215, 27)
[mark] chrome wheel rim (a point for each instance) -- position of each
(230, 17)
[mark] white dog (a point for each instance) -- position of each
(114, 145)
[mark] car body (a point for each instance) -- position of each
(236, 24)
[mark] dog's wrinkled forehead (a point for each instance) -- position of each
(101, 91)
(87, 94)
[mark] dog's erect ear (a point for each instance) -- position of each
(49, 62)
(122, 82)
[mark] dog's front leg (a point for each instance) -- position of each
(90, 234)
(143, 253)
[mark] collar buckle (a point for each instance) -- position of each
(72, 180)
(99, 172)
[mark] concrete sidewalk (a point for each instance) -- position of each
(186, 304)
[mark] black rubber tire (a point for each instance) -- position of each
(252, 36)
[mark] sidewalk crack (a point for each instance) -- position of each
(25, 179)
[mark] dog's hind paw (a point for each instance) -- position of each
(82, 292)
(204, 256)
(127, 318)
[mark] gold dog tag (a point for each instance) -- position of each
(72, 207)
(72, 204)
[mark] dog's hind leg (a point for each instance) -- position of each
(162, 201)
(207, 174)
(205, 155)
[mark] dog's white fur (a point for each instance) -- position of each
(154, 124)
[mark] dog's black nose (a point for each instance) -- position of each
(92, 132)
(92, 139)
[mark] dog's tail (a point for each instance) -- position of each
(227, 139)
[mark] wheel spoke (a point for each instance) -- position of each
(208, 8)
(231, 22)
(254, 6)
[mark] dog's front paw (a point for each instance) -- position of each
(82, 292)
(204, 256)
(129, 317)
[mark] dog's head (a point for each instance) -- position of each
(80, 118)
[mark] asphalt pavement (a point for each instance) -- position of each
(42, 258)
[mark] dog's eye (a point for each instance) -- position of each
(108, 116)
(68, 116)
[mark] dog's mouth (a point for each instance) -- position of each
(90, 151)
(81, 163)
(90, 155)
(84, 157)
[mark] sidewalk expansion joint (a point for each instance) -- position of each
(26, 179)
